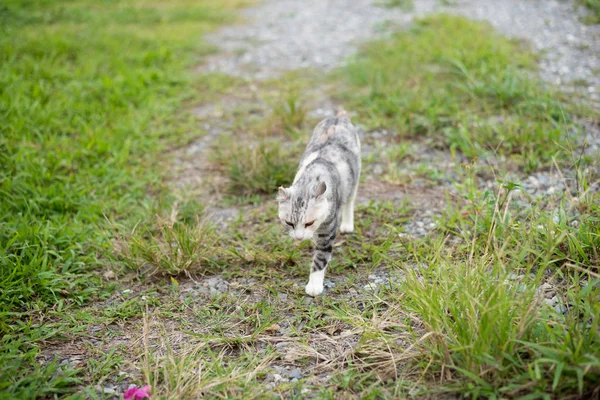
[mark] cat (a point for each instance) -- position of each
(322, 195)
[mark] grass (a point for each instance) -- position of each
(100, 260)
(174, 248)
(593, 7)
(257, 169)
(491, 336)
(406, 5)
(90, 94)
(480, 101)
(289, 112)
(199, 370)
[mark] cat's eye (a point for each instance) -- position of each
(289, 223)
(309, 224)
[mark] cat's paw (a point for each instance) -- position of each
(314, 289)
(346, 228)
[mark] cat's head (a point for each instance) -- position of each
(302, 210)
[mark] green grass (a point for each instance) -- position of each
(406, 5)
(459, 81)
(90, 93)
(171, 247)
(490, 336)
(256, 168)
(96, 253)
(593, 7)
(289, 113)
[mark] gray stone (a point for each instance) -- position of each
(296, 373)
(551, 301)
(282, 297)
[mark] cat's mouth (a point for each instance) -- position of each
(301, 234)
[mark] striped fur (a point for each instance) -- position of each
(321, 198)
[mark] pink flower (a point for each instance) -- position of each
(133, 393)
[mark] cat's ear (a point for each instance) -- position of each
(320, 190)
(283, 194)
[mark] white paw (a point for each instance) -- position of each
(314, 289)
(346, 228)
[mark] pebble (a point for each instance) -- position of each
(282, 297)
(552, 301)
(217, 286)
(109, 389)
(561, 308)
(296, 373)
(281, 345)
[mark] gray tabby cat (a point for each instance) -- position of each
(321, 198)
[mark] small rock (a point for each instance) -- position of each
(282, 297)
(542, 179)
(296, 373)
(560, 308)
(534, 182)
(546, 290)
(552, 301)
(108, 274)
(273, 328)
(281, 345)
(109, 389)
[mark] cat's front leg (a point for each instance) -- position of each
(315, 286)
(323, 250)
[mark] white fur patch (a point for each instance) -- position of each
(314, 287)
(311, 157)
(347, 225)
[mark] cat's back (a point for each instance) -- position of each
(336, 133)
(334, 140)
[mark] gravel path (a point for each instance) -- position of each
(288, 34)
